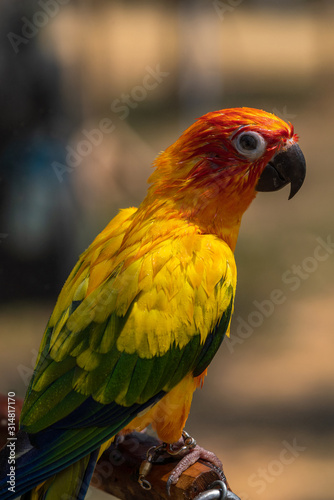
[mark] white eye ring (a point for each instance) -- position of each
(250, 144)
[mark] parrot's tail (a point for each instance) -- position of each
(69, 484)
(40, 475)
(57, 462)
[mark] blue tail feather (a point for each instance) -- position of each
(40, 456)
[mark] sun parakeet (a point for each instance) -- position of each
(148, 304)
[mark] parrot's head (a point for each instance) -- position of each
(213, 171)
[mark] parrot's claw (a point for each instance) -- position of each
(191, 453)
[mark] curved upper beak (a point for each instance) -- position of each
(286, 167)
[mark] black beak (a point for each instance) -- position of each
(286, 167)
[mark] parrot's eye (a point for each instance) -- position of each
(250, 144)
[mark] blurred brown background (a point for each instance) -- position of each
(91, 91)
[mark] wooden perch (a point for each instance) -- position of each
(117, 471)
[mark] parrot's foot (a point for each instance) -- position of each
(190, 452)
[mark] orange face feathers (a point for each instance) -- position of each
(211, 173)
(212, 148)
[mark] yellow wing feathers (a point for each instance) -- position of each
(170, 286)
(123, 304)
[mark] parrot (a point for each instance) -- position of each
(148, 304)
